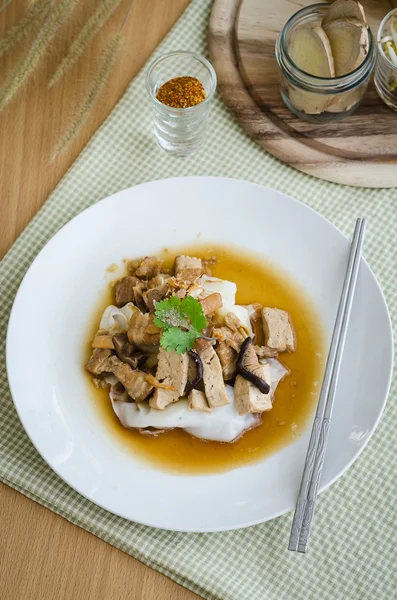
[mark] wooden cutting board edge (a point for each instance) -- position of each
(258, 125)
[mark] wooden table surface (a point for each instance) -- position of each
(42, 556)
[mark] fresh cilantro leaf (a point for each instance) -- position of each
(194, 311)
(177, 340)
(169, 313)
(181, 322)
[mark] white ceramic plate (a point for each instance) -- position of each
(55, 302)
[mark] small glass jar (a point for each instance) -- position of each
(385, 71)
(320, 99)
(180, 130)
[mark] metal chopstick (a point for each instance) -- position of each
(305, 506)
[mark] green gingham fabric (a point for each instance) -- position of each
(352, 554)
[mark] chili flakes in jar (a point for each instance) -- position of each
(181, 92)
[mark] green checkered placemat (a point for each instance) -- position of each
(352, 554)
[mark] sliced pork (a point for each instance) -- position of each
(198, 401)
(124, 290)
(172, 370)
(188, 268)
(279, 331)
(214, 385)
(141, 330)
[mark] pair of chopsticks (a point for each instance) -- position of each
(312, 470)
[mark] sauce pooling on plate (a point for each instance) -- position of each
(178, 451)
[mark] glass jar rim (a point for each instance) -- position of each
(200, 59)
(314, 79)
(379, 37)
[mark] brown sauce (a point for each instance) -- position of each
(295, 397)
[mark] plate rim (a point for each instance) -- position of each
(277, 514)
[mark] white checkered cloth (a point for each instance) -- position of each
(352, 553)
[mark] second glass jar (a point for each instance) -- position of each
(386, 71)
(320, 99)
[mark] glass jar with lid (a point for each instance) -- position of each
(320, 99)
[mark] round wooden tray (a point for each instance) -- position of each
(361, 150)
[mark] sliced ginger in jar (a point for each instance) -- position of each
(346, 26)
(335, 49)
(345, 9)
(345, 101)
(310, 50)
(349, 43)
